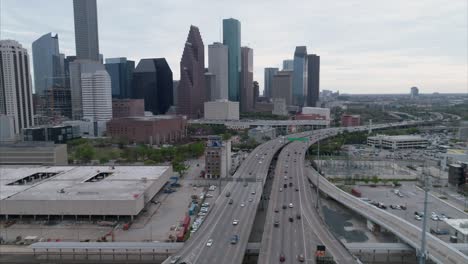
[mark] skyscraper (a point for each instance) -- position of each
(281, 86)
(313, 82)
(300, 76)
(121, 74)
(288, 65)
(96, 95)
(232, 39)
(15, 85)
(212, 93)
(48, 68)
(267, 82)
(218, 65)
(152, 81)
(246, 80)
(86, 29)
(191, 91)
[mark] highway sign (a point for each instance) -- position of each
(298, 139)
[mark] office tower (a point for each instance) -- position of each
(269, 73)
(191, 90)
(232, 39)
(282, 86)
(288, 65)
(246, 80)
(313, 79)
(211, 91)
(86, 29)
(76, 68)
(15, 84)
(218, 65)
(121, 74)
(300, 76)
(96, 95)
(48, 69)
(152, 81)
(256, 89)
(414, 92)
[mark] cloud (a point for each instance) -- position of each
(365, 45)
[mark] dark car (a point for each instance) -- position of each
(231, 201)
(301, 258)
(297, 189)
(290, 184)
(234, 239)
(298, 216)
(228, 194)
(276, 210)
(282, 258)
(291, 219)
(285, 206)
(285, 185)
(276, 224)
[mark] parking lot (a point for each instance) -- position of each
(413, 199)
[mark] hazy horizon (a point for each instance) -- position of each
(366, 47)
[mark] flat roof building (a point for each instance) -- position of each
(350, 120)
(33, 153)
(397, 142)
(221, 110)
(77, 191)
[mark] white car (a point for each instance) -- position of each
(417, 217)
(174, 259)
(235, 222)
(209, 243)
(242, 205)
(291, 205)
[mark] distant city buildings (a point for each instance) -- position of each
(282, 86)
(48, 64)
(232, 39)
(15, 85)
(414, 92)
(33, 153)
(246, 80)
(121, 73)
(211, 91)
(86, 30)
(96, 95)
(350, 120)
(313, 79)
(300, 76)
(218, 65)
(268, 81)
(217, 158)
(397, 142)
(59, 134)
(153, 82)
(221, 110)
(191, 91)
(288, 65)
(153, 130)
(279, 107)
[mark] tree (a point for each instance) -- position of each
(85, 153)
(179, 167)
(366, 180)
(227, 136)
(375, 180)
(103, 160)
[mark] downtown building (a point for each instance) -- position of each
(86, 30)
(121, 74)
(232, 39)
(153, 82)
(218, 66)
(192, 91)
(246, 80)
(282, 86)
(300, 76)
(288, 65)
(268, 81)
(15, 85)
(313, 79)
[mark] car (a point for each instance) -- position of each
(228, 194)
(285, 177)
(285, 206)
(280, 189)
(298, 216)
(291, 205)
(285, 186)
(435, 218)
(417, 217)
(205, 205)
(276, 223)
(290, 184)
(209, 195)
(235, 222)
(250, 199)
(253, 192)
(301, 258)
(260, 162)
(282, 258)
(209, 243)
(276, 210)
(201, 214)
(291, 219)
(174, 259)
(231, 201)
(297, 189)
(242, 205)
(245, 184)
(234, 239)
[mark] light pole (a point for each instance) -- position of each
(422, 252)
(318, 176)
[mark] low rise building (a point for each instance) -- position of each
(350, 120)
(221, 110)
(325, 112)
(128, 107)
(262, 134)
(458, 229)
(153, 130)
(33, 153)
(58, 134)
(397, 142)
(458, 174)
(217, 158)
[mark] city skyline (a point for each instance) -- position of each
(416, 45)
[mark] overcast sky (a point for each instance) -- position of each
(366, 46)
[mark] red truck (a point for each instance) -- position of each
(356, 192)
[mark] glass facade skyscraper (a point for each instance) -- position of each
(232, 39)
(313, 82)
(268, 80)
(300, 76)
(121, 74)
(86, 29)
(48, 68)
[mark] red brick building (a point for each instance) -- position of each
(350, 120)
(128, 107)
(154, 130)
